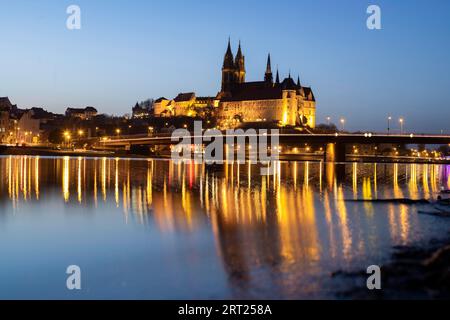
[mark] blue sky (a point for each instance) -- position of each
(133, 50)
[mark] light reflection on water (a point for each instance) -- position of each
(155, 229)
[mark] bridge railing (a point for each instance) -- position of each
(330, 137)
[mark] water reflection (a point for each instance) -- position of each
(268, 231)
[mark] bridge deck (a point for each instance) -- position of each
(297, 138)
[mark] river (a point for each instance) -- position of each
(153, 229)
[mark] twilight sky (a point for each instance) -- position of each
(132, 50)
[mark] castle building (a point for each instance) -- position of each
(185, 104)
(284, 103)
(81, 113)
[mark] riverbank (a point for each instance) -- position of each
(415, 272)
(49, 152)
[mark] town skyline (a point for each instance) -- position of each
(359, 74)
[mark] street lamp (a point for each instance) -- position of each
(401, 120)
(118, 132)
(80, 133)
(328, 120)
(67, 137)
(343, 124)
(389, 124)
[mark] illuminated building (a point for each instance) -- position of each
(285, 103)
(83, 114)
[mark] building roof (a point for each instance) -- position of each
(259, 90)
(204, 98)
(308, 94)
(262, 90)
(5, 104)
(90, 109)
(185, 97)
(289, 84)
(81, 110)
(40, 113)
(160, 100)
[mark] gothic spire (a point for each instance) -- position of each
(228, 61)
(268, 76)
(269, 66)
(239, 52)
(240, 59)
(277, 81)
(298, 81)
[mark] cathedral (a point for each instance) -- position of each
(283, 103)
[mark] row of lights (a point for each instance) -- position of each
(343, 121)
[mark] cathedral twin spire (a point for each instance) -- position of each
(230, 62)
(233, 70)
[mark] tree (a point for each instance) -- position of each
(421, 147)
(445, 150)
(56, 136)
(326, 128)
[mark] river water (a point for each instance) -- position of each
(152, 229)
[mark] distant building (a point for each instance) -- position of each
(33, 124)
(6, 105)
(4, 126)
(143, 110)
(8, 113)
(184, 104)
(82, 114)
(29, 128)
(161, 107)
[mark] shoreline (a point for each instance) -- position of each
(416, 272)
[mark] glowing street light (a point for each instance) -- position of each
(328, 120)
(343, 124)
(67, 137)
(118, 131)
(80, 133)
(402, 121)
(389, 124)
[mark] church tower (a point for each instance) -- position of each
(268, 77)
(228, 70)
(239, 63)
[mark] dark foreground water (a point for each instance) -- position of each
(156, 230)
